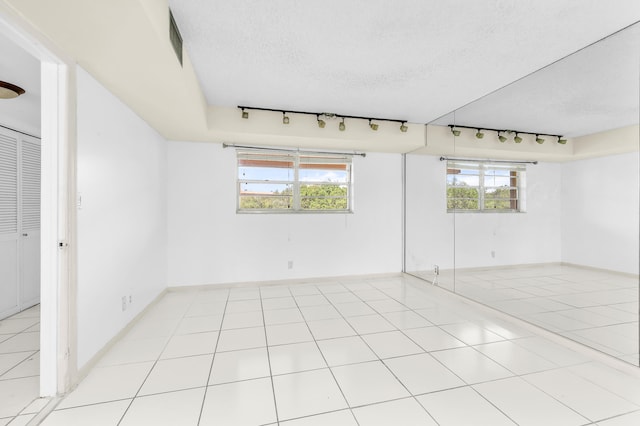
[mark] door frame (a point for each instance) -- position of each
(58, 264)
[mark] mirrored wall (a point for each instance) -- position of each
(527, 200)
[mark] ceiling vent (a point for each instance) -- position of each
(175, 37)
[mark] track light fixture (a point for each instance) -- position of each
(327, 115)
(455, 129)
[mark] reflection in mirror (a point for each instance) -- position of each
(554, 243)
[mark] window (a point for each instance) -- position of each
(485, 187)
(272, 181)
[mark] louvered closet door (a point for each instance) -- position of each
(9, 241)
(29, 289)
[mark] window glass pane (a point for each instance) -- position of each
(497, 180)
(462, 204)
(498, 205)
(323, 197)
(265, 173)
(258, 202)
(458, 192)
(500, 193)
(323, 175)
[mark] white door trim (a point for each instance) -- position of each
(58, 337)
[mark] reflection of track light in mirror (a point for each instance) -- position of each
(502, 138)
(342, 126)
(517, 139)
(373, 126)
(285, 119)
(321, 123)
(403, 128)
(455, 132)
(245, 114)
(562, 141)
(539, 139)
(479, 134)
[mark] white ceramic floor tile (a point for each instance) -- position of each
(22, 342)
(243, 338)
(368, 324)
(387, 305)
(433, 339)
(240, 403)
(369, 295)
(307, 393)
(615, 381)
(471, 334)
(422, 373)
(405, 412)
(177, 374)
(347, 350)
(282, 316)
(14, 325)
(406, 319)
(321, 312)
(167, 409)
(440, 316)
(199, 324)
(590, 400)
(132, 351)
(311, 300)
(527, 405)
(9, 361)
(331, 328)
(30, 367)
(336, 418)
(36, 406)
(278, 303)
(147, 328)
(462, 407)
(632, 419)
(243, 306)
(239, 365)
(288, 333)
(109, 383)
(391, 344)
(273, 292)
(336, 298)
(22, 420)
(368, 383)
(242, 320)
(470, 365)
(202, 309)
(244, 294)
(515, 358)
(106, 414)
(16, 394)
(353, 309)
(295, 357)
(332, 288)
(190, 344)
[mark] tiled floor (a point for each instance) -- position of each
(385, 351)
(20, 367)
(593, 307)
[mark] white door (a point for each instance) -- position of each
(19, 222)
(29, 278)
(9, 241)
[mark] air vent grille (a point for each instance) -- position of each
(175, 37)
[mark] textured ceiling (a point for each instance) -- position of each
(414, 60)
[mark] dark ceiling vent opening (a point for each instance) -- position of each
(175, 37)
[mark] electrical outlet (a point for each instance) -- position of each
(290, 264)
(130, 299)
(436, 270)
(124, 303)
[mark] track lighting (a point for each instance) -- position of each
(403, 127)
(455, 132)
(342, 126)
(245, 114)
(479, 134)
(562, 141)
(373, 126)
(539, 139)
(10, 91)
(517, 139)
(502, 138)
(321, 123)
(285, 118)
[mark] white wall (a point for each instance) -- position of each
(483, 239)
(122, 221)
(210, 243)
(600, 216)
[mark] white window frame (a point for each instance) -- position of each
(517, 172)
(295, 181)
